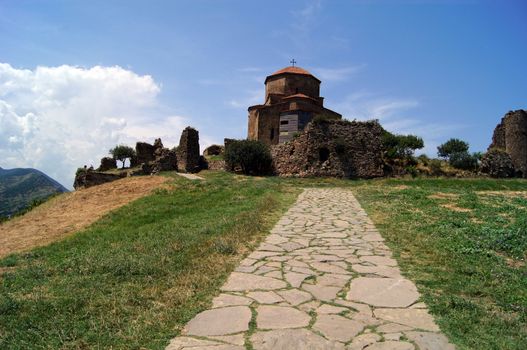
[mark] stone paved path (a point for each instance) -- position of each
(323, 279)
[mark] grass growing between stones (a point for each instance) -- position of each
(134, 278)
(464, 243)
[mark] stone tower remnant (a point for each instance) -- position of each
(511, 135)
(188, 154)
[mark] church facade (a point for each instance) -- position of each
(292, 100)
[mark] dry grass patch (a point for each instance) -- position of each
(71, 212)
(443, 195)
(509, 194)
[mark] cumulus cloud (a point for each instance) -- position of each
(56, 119)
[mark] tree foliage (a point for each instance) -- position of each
(252, 157)
(122, 152)
(401, 146)
(452, 146)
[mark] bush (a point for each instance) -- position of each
(251, 156)
(423, 159)
(452, 146)
(401, 146)
(436, 168)
(464, 161)
(122, 152)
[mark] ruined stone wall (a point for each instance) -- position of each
(188, 153)
(89, 178)
(144, 153)
(511, 135)
(333, 148)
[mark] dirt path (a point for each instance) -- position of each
(323, 279)
(70, 212)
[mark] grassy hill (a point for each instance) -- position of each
(20, 187)
(134, 278)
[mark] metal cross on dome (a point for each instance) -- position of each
(292, 62)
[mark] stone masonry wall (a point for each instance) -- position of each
(188, 153)
(511, 135)
(335, 148)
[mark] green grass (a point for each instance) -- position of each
(136, 277)
(468, 263)
(133, 279)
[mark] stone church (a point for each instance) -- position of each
(292, 99)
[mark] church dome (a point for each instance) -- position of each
(291, 70)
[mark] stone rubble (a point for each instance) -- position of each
(323, 279)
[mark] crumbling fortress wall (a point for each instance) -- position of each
(511, 135)
(188, 155)
(336, 148)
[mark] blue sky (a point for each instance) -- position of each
(117, 71)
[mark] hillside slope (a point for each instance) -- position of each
(71, 212)
(19, 187)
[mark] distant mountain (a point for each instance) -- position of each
(20, 187)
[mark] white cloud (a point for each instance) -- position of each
(56, 119)
(336, 74)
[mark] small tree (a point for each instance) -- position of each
(253, 157)
(122, 152)
(452, 146)
(401, 146)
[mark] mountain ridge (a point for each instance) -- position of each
(19, 187)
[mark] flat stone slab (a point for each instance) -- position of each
(387, 292)
(279, 317)
(391, 345)
(223, 300)
(292, 339)
(295, 296)
(212, 322)
(238, 281)
(415, 318)
(430, 341)
(265, 297)
(338, 328)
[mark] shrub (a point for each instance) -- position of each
(452, 146)
(251, 156)
(464, 161)
(436, 168)
(122, 152)
(423, 158)
(321, 118)
(401, 146)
